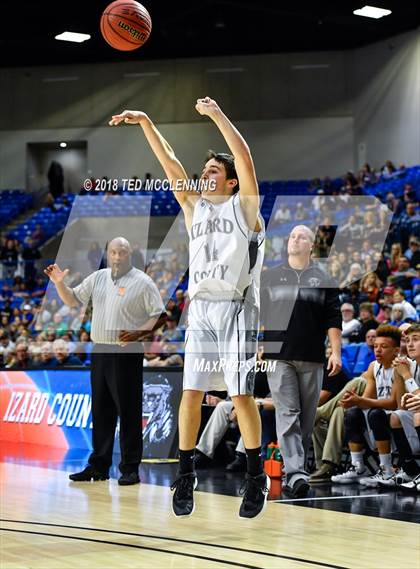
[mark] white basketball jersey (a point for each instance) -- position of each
(383, 378)
(415, 371)
(225, 256)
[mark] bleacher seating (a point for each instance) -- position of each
(12, 204)
(51, 221)
(396, 185)
(163, 203)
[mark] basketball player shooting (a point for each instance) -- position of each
(226, 241)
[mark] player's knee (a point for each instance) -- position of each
(242, 400)
(395, 421)
(191, 398)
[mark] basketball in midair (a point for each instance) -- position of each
(126, 25)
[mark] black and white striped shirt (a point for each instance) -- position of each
(122, 304)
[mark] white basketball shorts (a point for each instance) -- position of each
(221, 346)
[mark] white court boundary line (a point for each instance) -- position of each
(329, 498)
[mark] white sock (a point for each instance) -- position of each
(385, 461)
(357, 459)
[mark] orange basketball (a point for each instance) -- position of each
(126, 24)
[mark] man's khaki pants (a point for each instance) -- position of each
(328, 433)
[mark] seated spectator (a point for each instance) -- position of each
(62, 357)
(37, 236)
(369, 224)
(397, 315)
(371, 286)
(409, 223)
(282, 214)
(59, 324)
(387, 296)
(354, 274)
(388, 170)
(366, 353)
(352, 229)
(300, 212)
(413, 251)
(46, 356)
(27, 316)
(6, 312)
(173, 310)
(384, 313)
(171, 333)
(371, 412)
(396, 253)
(404, 274)
(30, 255)
(383, 266)
(166, 358)
(83, 347)
(6, 347)
(336, 271)
(180, 299)
(367, 321)
(9, 257)
(350, 324)
(22, 360)
(409, 310)
(39, 287)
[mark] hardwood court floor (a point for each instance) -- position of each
(48, 522)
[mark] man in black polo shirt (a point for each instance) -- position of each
(299, 308)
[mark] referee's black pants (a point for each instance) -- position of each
(117, 391)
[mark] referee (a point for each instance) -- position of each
(126, 308)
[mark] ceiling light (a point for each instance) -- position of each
(372, 12)
(63, 144)
(73, 36)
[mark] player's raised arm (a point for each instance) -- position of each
(244, 165)
(172, 167)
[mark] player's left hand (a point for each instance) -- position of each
(334, 364)
(207, 106)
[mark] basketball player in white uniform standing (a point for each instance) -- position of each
(226, 251)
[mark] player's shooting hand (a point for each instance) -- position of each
(207, 107)
(56, 275)
(127, 117)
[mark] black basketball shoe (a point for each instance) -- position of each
(183, 498)
(255, 491)
(89, 474)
